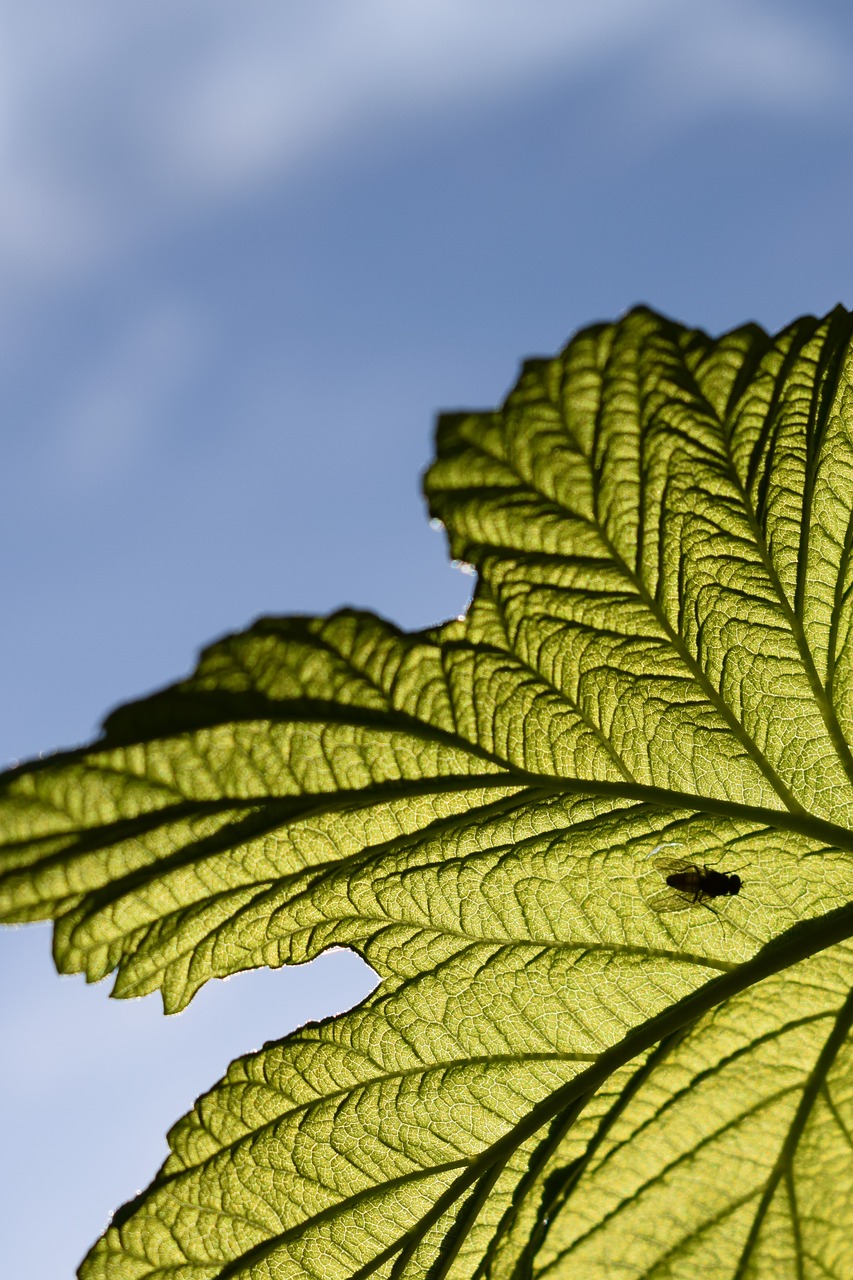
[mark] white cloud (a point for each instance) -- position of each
(104, 424)
(735, 57)
(118, 120)
(734, 54)
(268, 97)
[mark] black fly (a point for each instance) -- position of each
(690, 884)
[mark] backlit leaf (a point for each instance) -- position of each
(553, 1078)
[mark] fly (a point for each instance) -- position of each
(690, 884)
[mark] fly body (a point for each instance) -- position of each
(703, 882)
(690, 884)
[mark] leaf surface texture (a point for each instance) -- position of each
(553, 1078)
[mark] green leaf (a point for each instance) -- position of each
(553, 1077)
(733, 1152)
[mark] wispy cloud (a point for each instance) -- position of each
(732, 58)
(104, 423)
(117, 120)
(757, 55)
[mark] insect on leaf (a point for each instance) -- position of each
(687, 884)
(552, 1078)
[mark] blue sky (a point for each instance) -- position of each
(247, 252)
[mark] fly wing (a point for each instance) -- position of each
(669, 899)
(668, 866)
(665, 897)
